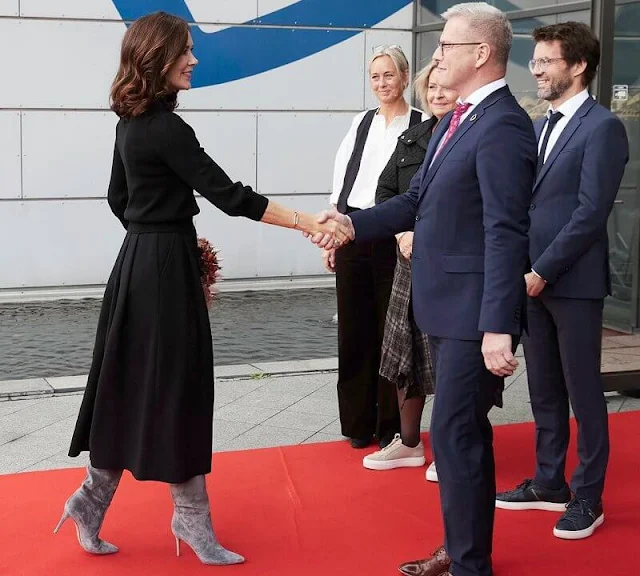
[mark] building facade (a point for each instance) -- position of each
(278, 84)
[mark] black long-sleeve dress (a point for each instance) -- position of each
(148, 405)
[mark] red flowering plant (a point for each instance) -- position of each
(209, 269)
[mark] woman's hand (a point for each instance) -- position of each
(327, 230)
(405, 243)
(329, 260)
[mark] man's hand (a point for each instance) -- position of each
(535, 284)
(335, 230)
(329, 260)
(405, 243)
(498, 357)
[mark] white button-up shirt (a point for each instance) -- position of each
(380, 144)
(568, 109)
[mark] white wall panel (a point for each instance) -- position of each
(59, 243)
(402, 19)
(250, 249)
(67, 154)
(69, 9)
(313, 83)
(230, 139)
(375, 38)
(226, 11)
(63, 64)
(9, 7)
(9, 155)
(296, 151)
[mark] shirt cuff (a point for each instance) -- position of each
(538, 275)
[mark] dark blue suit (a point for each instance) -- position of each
(572, 199)
(469, 211)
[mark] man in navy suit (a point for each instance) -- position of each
(468, 206)
(583, 150)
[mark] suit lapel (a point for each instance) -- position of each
(568, 131)
(538, 125)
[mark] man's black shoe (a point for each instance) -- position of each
(531, 496)
(360, 442)
(580, 520)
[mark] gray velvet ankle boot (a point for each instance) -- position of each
(192, 523)
(87, 507)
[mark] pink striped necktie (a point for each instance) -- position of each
(453, 125)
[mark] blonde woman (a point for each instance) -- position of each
(364, 271)
(406, 361)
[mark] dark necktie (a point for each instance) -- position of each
(551, 122)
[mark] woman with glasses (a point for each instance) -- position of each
(406, 361)
(364, 271)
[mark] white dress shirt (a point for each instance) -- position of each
(380, 144)
(568, 109)
(474, 99)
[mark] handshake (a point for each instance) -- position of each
(333, 230)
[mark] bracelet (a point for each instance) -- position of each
(296, 219)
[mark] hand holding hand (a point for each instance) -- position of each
(535, 284)
(405, 243)
(329, 260)
(333, 230)
(498, 357)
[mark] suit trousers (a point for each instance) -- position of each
(364, 277)
(563, 351)
(462, 442)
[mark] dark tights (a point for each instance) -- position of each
(410, 416)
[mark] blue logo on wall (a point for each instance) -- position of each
(240, 52)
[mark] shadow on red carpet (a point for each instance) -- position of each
(313, 510)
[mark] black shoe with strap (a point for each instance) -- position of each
(580, 519)
(532, 496)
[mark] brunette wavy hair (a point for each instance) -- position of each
(150, 47)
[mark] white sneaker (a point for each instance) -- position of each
(432, 473)
(395, 455)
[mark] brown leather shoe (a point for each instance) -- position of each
(436, 565)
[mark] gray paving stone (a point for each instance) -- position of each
(266, 436)
(249, 414)
(226, 430)
(234, 371)
(614, 402)
(630, 404)
(26, 387)
(328, 392)
(299, 385)
(317, 406)
(297, 366)
(264, 398)
(322, 437)
(15, 405)
(299, 420)
(68, 383)
(333, 429)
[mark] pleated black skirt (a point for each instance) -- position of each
(148, 405)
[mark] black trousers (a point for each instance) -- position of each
(462, 442)
(364, 276)
(563, 351)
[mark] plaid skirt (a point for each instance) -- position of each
(405, 360)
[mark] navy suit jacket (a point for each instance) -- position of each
(572, 199)
(469, 212)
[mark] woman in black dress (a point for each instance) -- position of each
(148, 405)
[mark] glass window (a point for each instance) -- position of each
(621, 308)
(429, 10)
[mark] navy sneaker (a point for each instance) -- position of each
(580, 520)
(531, 496)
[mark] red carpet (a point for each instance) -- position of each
(314, 510)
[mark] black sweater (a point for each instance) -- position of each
(158, 163)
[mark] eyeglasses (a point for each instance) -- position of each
(446, 45)
(541, 64)
(383, 47)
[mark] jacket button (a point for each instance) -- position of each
(417, 217)
(532, 207)
(401, 160)
(409, 141)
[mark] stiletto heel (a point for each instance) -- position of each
(87, 507)
(65, 515)
(191, 523)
